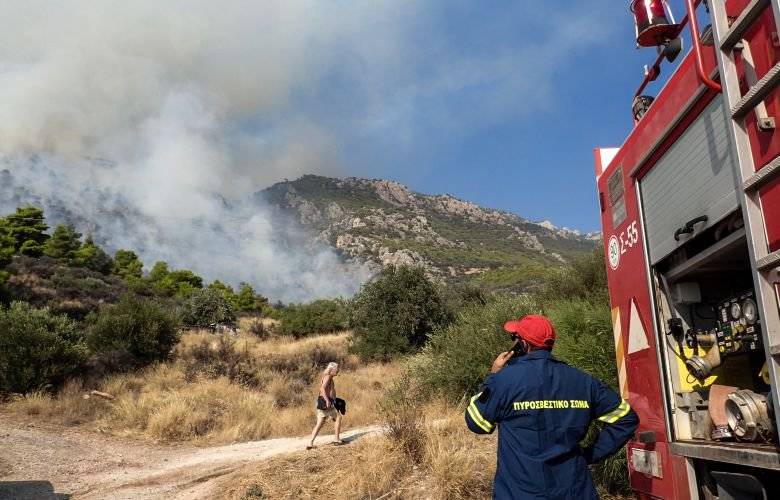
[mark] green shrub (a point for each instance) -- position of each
(458, 357)
(612, 474)
(37, 348)
(245, 301)
(585, 279)
(585, 338)
(205, 307)
(395, 313)
(459, 297)
(320, 316)
(142, 329)
(269, 311)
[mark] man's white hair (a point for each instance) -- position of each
(332, 367)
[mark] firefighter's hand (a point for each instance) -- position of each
(501, 361)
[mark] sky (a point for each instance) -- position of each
(500, 103)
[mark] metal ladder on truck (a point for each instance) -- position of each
(728, 40)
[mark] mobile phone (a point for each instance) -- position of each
(519, 348)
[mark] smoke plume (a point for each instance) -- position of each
(151, 123)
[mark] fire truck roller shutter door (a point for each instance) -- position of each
(694, 178)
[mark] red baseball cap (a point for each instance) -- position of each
(534, 329)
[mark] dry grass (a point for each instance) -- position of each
(367, 470)
(455, 464)
(459, 464)
(267, 391)
(244, 322)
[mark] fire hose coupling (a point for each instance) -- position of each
(750, 416)
(701, 366)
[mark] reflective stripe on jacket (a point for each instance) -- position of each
(544, 408)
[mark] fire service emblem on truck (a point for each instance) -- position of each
(614, 253)
(619, 245)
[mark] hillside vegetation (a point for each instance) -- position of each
(384, 223)
(67, 308)
(427, 451)
(217, 389)
(98, 341)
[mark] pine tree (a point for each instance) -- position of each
(247, 300)
(179, 283)
(63, 244)
(127, 265)
(159, 272)
(226, 291)
(188, 277)
(160, 278)
(186, 282)
(6, 251)
(27, 226)
(93, 257)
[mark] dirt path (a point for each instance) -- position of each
(43, 462)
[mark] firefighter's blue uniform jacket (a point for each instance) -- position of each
(543, 408)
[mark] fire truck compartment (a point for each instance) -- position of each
(710, 338)
(693, 181)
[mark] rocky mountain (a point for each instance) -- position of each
(368, 222)
(382, 222)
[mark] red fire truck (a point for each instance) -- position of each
(690, 207)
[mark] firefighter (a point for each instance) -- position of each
(544, 408)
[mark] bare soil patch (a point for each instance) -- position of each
(40, 461)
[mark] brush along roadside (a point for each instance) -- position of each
(445, 462)
(218, 389)
(451, 464)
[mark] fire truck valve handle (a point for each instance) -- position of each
(688, 227)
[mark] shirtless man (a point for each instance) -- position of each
(328, 393)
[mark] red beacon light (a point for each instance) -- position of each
(654, 22)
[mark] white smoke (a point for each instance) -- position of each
(165, 92)
(194, 105)
(233, 242)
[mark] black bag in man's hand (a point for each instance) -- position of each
(341, 406)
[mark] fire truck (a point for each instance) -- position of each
(690, 210)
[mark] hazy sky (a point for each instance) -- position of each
(503, 104)
(497, 102)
